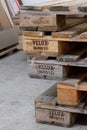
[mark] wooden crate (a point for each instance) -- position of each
(35, 43)
(47, 22)
(46, 69)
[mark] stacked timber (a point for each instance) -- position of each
(52, 30)
(55, 41)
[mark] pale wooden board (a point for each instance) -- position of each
(33, 34)
(80, 63)
(51, 21)
(55, 117)
(71, 32)
(44, 47)
(83, 35)
(75, 54)
(46, 70)
(56, 5)
(44, 103)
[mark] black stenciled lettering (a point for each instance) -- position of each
(40, 48)
(41, 43)
(46, 67)
(56, 114)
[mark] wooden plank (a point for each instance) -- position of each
(44, 103)
(69, 22)
(56, 5)
(42, 5)
(71, 32)
(48, 37)
(37, 8)
(83, 8)
(44, 69)
(48, 97)
(83, 35)
(47, 12)
(40, 47)
(68, 6)
(75, 54)
(33, 33)
(80, 63)
(54, 22)
(44, 47)
(55, 117)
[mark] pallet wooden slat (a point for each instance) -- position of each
(40, 103)
(83, 8)
(83, 35)
(62, 5)
(46, 69)
(75, 54)
(52, 116)
(44, 47)
(69, 6)
(55, 117)
(71, 32)
(44, 21)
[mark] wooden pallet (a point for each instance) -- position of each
(71, 32)
(53, 23)
(35, 43)
(57, 7)
(8, 50)
(40, 67)
(49, 23)
(48, 111)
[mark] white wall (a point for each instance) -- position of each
(27, 2)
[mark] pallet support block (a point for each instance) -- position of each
(69, 94)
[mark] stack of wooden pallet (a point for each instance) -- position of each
(55, 41)
(48, 30)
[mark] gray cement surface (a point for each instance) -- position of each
(17, 94)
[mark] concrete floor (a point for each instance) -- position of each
(17, 94)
